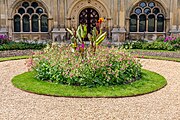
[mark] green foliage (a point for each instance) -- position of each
(149, 82)
(96, 38)
(77, 36)
(156, 45)
(175, 43)
(109, 66)
(21, 46)
(4, 39)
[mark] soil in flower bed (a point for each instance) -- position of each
(13, 53)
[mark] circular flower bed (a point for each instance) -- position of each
(106, 67)
(149, 82)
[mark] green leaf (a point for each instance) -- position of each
(85, 30)
(78, 34)
(89, 37)
(70, 31)
(100, 39)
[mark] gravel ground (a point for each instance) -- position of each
(161, 105)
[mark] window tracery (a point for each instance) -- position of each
(30, 17)
(147, 17)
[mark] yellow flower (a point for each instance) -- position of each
(101, 20)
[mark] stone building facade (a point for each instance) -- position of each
(124, 19)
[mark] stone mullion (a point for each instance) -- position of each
(21, 24)
(30, 23)
(138, 24)
(155, 24)
(147, 24)
(39, 23)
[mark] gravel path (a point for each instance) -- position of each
(161, 105)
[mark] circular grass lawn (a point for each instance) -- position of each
(149, 82)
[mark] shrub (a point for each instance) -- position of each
(175, 42)
(21, 46)
(139, 44)
(109, 66)
(4, 39)
(158, 46)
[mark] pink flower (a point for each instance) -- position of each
(71, 75)
(82, 45)
(77, 48)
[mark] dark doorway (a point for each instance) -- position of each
(89, 17)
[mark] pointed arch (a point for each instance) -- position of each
(16, 3)
(160, 2)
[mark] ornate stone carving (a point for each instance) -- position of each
(82, 4)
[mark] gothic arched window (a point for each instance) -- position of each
(142, 23)
(17, 23)
(151, 23)
(133, 23)
(30, 17)
(35, 23)
(44, 23)
(160, 23)
(147, 16)
(26, 23)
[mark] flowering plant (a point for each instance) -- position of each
(169, 38)
(175, 42)
(109, 66)
(97, 36)
(86, 66)
(77, 38)
(4, 39)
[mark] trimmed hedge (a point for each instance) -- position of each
(21, 46)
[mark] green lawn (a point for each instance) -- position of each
(150, 82)
(13, 58)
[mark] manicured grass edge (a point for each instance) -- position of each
(149, 83)
(144, 50)
(13, 58)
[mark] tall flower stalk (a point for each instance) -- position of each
(97, 36)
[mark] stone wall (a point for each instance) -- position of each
(64, 13)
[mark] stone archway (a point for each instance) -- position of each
(89, 17)
(77, 7)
